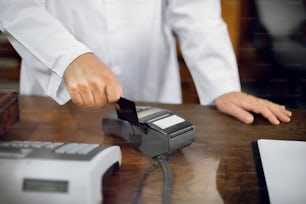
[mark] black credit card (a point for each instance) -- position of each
(126, 110)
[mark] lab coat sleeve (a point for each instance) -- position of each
(205, 46)
(31, 29)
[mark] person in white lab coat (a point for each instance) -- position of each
(93, 52)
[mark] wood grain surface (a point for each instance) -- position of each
(218, 167)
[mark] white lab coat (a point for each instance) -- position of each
(133, 37)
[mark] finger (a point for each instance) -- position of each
(238, 112)
(104, 92)
(113, 93)
(270, 116)
(100, 97)
(88, 99)
(101, 100)
(263, 107)
(76, 99)
(281, 112)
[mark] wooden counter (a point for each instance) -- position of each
(217, 168)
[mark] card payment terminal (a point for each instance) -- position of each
(154, 131)
(46, 172)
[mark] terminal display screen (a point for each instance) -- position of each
(38, 185)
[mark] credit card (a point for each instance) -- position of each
(126, 110)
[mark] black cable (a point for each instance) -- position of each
(143, 178)
(163, 162)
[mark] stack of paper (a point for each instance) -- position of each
(284, 166)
